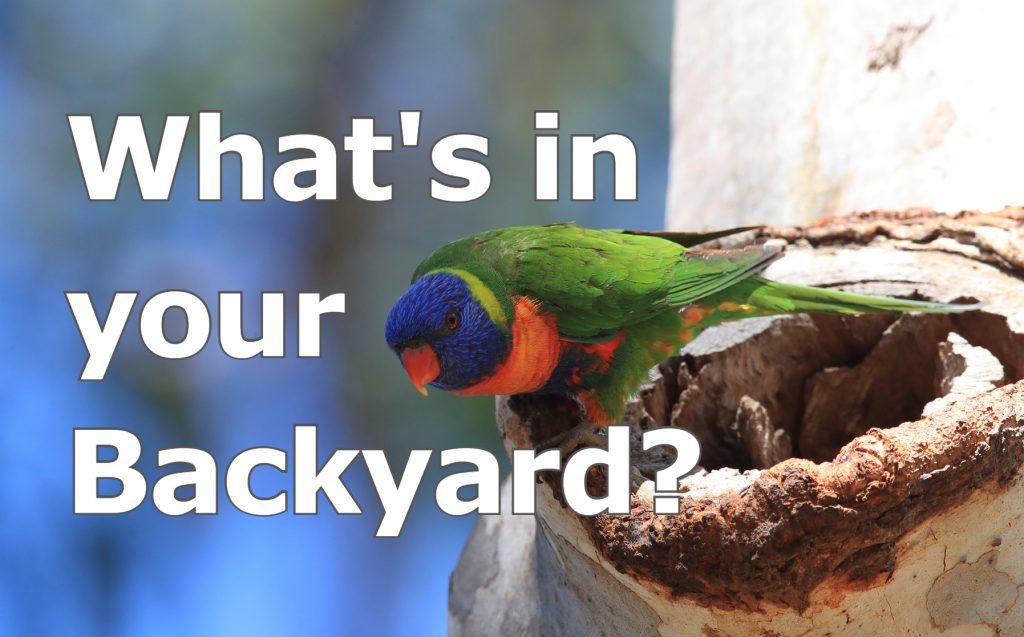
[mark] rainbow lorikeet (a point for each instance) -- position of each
(570, 310)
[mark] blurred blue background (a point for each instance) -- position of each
(273, 68)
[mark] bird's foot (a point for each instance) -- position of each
(588, 435)
(583, 435)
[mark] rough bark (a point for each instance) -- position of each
(827, 503)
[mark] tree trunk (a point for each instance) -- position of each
(910, 529)
(784, 112)
(860, 475)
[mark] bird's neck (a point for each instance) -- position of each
(532, 357)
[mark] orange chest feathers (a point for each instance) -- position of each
(532, 358)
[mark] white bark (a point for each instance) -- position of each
(783, 112)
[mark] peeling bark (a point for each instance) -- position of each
(827, 504)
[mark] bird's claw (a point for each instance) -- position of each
(588, 435)
(582, 435)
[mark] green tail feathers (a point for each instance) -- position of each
(783, 297)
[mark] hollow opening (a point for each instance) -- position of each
(804, 386)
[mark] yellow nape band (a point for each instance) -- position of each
(483, 294)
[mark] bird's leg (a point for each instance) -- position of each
(587, 434)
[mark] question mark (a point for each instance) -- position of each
(666, 481)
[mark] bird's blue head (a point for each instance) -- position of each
(450, 330)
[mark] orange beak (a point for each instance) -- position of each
(422, 366)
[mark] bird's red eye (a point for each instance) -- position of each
(451, 320)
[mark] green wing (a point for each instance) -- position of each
(598, 281)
